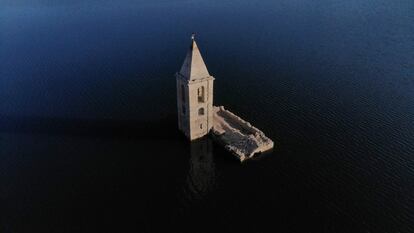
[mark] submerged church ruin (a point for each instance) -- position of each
(197, 117)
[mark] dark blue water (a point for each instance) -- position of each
(88, 132)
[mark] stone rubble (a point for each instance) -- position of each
(237, 135)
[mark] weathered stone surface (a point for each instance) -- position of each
(238, 136)
(198, 117)
(193, 66)
(194, 95)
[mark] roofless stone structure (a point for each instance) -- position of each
(198, 117)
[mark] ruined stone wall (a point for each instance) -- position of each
(238, 136)
(239, 121)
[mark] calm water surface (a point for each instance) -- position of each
(88, 135)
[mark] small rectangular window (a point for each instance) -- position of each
(201, 126)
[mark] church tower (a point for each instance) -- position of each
(194, 95)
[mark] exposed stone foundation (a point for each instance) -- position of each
(237, 135)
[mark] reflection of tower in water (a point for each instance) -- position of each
(201, 175)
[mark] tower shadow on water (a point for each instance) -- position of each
(201, 174)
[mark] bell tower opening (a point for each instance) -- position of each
(200, 94)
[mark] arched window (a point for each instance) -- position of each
(201, 111)
(200, 94)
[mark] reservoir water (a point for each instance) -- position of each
(88, 128)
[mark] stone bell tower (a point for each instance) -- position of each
(194, 95)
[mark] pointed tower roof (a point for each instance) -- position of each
(193, 66)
